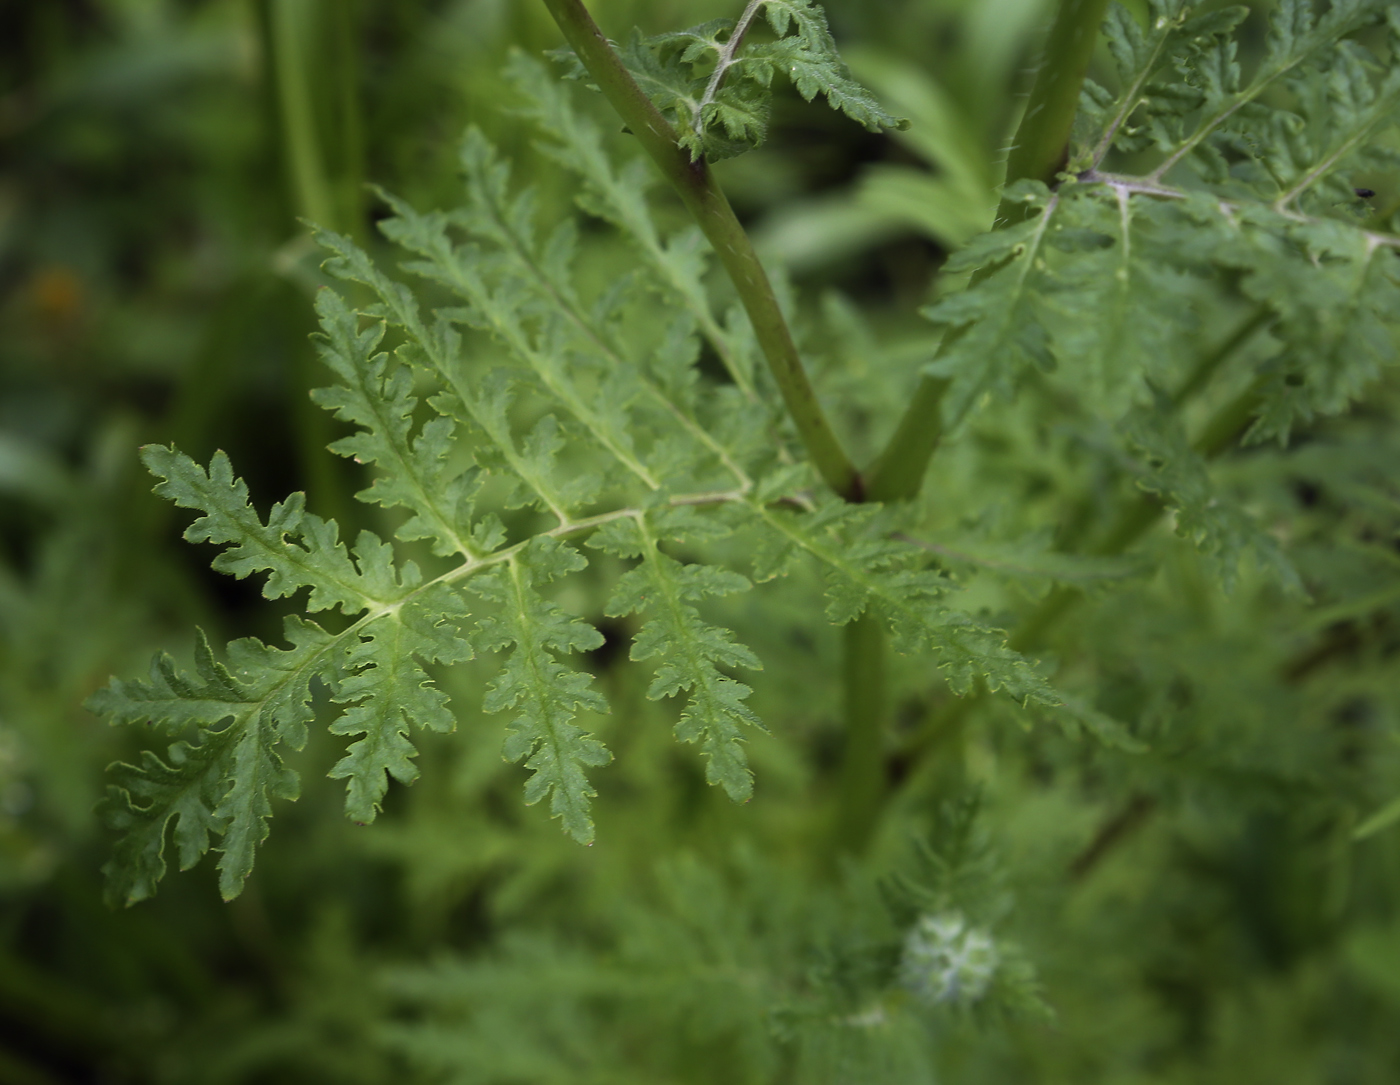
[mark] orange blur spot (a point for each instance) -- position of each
(57, 293)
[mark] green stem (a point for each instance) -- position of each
(291, 30)
(346, 25)
(862, 784)
(898, 472)
(1041, 147)
(698, 189)
(1038, 151)
(1227, 425)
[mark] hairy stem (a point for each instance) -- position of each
(1038, 151)
(725, 61)
(708, 205)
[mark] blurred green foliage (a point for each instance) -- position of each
(1206, 917)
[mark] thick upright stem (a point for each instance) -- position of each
(899, 471)
(1041, 146)
(1038, 151)
(862, 783)
(291, 34)
(346, 19)
(705, 200)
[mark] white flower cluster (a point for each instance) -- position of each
(946, 960)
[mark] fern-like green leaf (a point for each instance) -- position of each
(588, 410)
(376, 394)
(995, 330)
(295, 548)
(1103, 279)
(1336, 294)
(808, 57)
(481, 406)
(662, 384)
(866, 569)
(1210, 106)
(547, 694)
(1117, 303)
(1031, 559)
(691, 651)
(221, 775)
(383, 681)
(502, 308)
(219, 780)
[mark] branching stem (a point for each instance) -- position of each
(698, 189)
(1039, 151)
(1151, 186)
